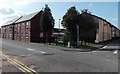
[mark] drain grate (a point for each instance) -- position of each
(33, 66)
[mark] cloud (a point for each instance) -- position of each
(90, 5)
(7, 13)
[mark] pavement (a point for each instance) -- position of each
(93, 47)
(87, 48)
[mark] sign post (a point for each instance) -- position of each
(77, 35)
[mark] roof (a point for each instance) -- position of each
(12, 21)
(27, 17)
(102, 19)
(97, 17)
(22, 18)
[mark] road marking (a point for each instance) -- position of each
(35, 50)
(115, 52)
(42, 52)
(104, 47)
(30, 49)
(18, 64)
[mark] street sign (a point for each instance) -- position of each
(77, 35)
(77, 27)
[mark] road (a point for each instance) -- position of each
(46, 58)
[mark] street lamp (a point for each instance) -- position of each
(59, 24)
(59, 30)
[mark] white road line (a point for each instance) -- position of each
(35, 50)
(42, 52)
(104, 47)
(30, 49)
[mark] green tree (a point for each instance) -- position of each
(47, 23)
(87, 26)
(70, 20)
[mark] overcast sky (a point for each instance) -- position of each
(10, 9)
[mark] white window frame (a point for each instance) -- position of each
(22, 35)
(27, 24)
(10, 34)
(19, 26)
(15, 34)
(23, 25)
(15, 26)
(26, 35)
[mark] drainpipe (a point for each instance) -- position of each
(13, 31)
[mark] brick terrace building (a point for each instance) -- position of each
(7, 29)
(105, 30)
(26, 28)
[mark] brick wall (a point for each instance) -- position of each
(17, 32)
(35, 28)
(3, 29)
(0, 32)
(22, 31)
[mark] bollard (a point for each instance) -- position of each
(68, 44)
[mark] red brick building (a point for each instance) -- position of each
(0, 32)
(7, 29)
(26, 28)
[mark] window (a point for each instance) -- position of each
(4, 28)
(11, 26)
(22, 35)
(26, 35)
(15, 26)
(18, 26)
(8, 27)
(10, 35)
(18, 34)
(7, 35)
(41, 35)
(15, 34)
(23, 24)
(27, 25)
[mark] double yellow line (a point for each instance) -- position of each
(18, 64)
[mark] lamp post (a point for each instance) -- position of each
(59, 30)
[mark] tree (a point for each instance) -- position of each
(47, 22)
(70, 20)
(87, 26)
